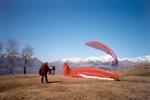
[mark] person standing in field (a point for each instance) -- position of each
(50, 69)
(43, 72)
(53, 70)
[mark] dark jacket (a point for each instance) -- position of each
(43, 69)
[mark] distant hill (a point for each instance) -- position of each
(136, 70)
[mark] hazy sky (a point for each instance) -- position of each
(58, 29)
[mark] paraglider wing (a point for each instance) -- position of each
(89, 72)
(100, 46)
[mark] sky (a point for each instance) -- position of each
(58, 29)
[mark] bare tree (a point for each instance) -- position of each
(27, 54)
(12, 53)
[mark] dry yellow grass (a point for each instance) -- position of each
(29, 87)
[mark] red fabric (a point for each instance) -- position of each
(90, 71)
(100, 46)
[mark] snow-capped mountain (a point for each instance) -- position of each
(124, 62)
(105, 58)
(102, 61)
(137, 59)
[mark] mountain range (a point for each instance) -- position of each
(101, 62)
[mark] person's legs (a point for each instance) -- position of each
(42, 78)
(50, 71)
(46, 78)
(53, 72)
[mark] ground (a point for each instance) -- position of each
(29, 87)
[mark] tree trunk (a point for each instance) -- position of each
(25, 65)
(25, 69)
(11, 69)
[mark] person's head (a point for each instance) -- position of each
(46, 62)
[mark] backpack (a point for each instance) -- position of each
(41, 71)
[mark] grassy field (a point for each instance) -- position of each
(28, 87)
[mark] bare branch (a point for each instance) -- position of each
(12, 53)
(27, 54)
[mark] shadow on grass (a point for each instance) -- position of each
(54, 82)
